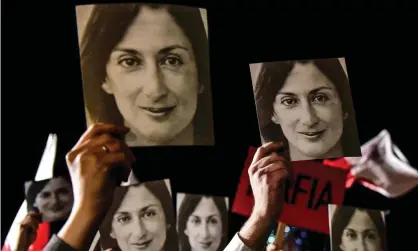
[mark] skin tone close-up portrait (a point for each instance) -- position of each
(355, 229)
(309, 104)
(53, 198)
(147, 66)
(140, 218)
(202, 222)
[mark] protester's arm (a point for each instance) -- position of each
(268, 173)
(78, 231)
(252, 235)
(56, 244)
(256, 230)
(90, 163)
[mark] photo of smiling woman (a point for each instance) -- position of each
(308, 104)
(53, 198)
(355, 229)
(202, 222)
(147, 66)
(142, 217)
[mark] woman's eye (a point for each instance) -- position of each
(213, 221)
(351, 235)
(129, 62)
(371, 236)
(45, 195)
(196, 221)
(288, 101)
(63, 191)
(150, 214)
(124, 219)
(172, 61)
(320, 98)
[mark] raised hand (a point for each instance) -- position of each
(99, 151)
(268, 173)
(92, 164)
(28, 229)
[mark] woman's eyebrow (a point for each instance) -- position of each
(127, 50)
(136, 210)
(319, 89)
(286, 93)
(147, 207)
(367, 231)
(206, 216)
(164, 50)
(172, 47)
(350, 229)
(122, 213)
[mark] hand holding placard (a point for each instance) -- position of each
(305, 201)
(267, 174)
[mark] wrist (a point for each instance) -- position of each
(255, 231)
(81, 227)
(263, 216)
(88, 215)
(92, 210)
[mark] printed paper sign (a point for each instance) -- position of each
(306, 200)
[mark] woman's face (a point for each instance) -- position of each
(361, 234)
(139, 223)
(153, 76)
(55, 201)
(309, 111)
(204, 226)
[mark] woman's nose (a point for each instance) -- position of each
(139, 229)
(308, 115)
(154, 86)
(54, 198)
(361, 246)
(204, 231)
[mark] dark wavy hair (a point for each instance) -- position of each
(188, 206)
(272, 78)
(342, 217)
(160, 190)
(106, 27)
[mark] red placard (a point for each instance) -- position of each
(306, 200)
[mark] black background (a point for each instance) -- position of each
(42, 91)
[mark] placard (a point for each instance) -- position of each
(306, 200)
(354, 228)
(146, 66)
(308, 104)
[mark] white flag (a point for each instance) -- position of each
(45, 171)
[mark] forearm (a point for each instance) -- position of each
(255, 231)
(22, 242)
(80, 228)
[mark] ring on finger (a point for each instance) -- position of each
(105, 149)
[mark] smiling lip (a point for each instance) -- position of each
(205, 244)
(158, 111)
(312, 135)
(141, 245)
(57, 208)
